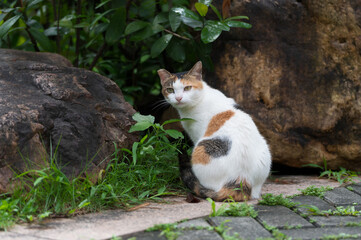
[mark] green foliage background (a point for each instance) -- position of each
(125, 40)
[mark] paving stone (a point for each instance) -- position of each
(245, 227)
(199, 235)
(146, 236)
(199, 222)
(342, 197)
(311, 201)
(317, 233)
(356, 188)
(280, 216)
(335, 220)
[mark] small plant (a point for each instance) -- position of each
(353, 224)
(233, 208)
(169, 230)
(342, 176)
(339, 211)
(273, 200)
(275, 232)
(315, 191)
(341, 236)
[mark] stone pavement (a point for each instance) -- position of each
(106, 224)
(279, 222)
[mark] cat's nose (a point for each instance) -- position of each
(178, 98)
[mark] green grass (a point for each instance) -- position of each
(339, 211)
(315, 191)
(342, 176)
(147, 172)
(232, 208)
(274, 200)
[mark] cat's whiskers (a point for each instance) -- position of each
(160, 104)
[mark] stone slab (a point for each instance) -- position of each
(311, 201)
(342, 197)
(335, 220)
(356, 188)
(245, 227)
(199, 235)
(199, 222)
(280, 216)
(317, 233)
(156, 235)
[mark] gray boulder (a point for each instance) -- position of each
(46, 104)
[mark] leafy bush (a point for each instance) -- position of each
(126, 41)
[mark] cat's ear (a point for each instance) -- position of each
(164, 75)
(196, 71)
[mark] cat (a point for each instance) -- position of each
(230, 157)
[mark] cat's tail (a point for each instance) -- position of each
(235, 190)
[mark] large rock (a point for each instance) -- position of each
(45, 101)
(298, 73)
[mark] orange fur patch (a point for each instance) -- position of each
(199, 156)
(218, 121)
(191, 81)
(237, 195)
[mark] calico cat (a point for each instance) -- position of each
(230, 157)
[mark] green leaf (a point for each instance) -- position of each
(134, 152)
(160, 18)
(210, 34)
(176, 50)
(84, 203)
(5, 27)
(237, 17)
(188, 17)
(2, 16)
(135, 26)
(101, 4)
(81, 25)
(215, 10)
(42, 39)
(174, 19)
(146, 32)
(174, 133)
(160, 45)
(33, 3)
(146, 8)
(116, 26)
(201, 8)
(38, 180)
(177, 120)
(143, 118)
(238, 24)
(205, 2)
(100, 16)
(140, 126)
(218, 24)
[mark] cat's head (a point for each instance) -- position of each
(182, 89)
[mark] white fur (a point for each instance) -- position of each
(249, 157)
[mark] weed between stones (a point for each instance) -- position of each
(315, 191)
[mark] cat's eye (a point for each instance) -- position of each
(187, 88)
(170, 90)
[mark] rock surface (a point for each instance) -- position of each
(45, 101)
(297, 71)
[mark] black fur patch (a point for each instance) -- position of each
(216, 147)
(237, 106)
(180, 74)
